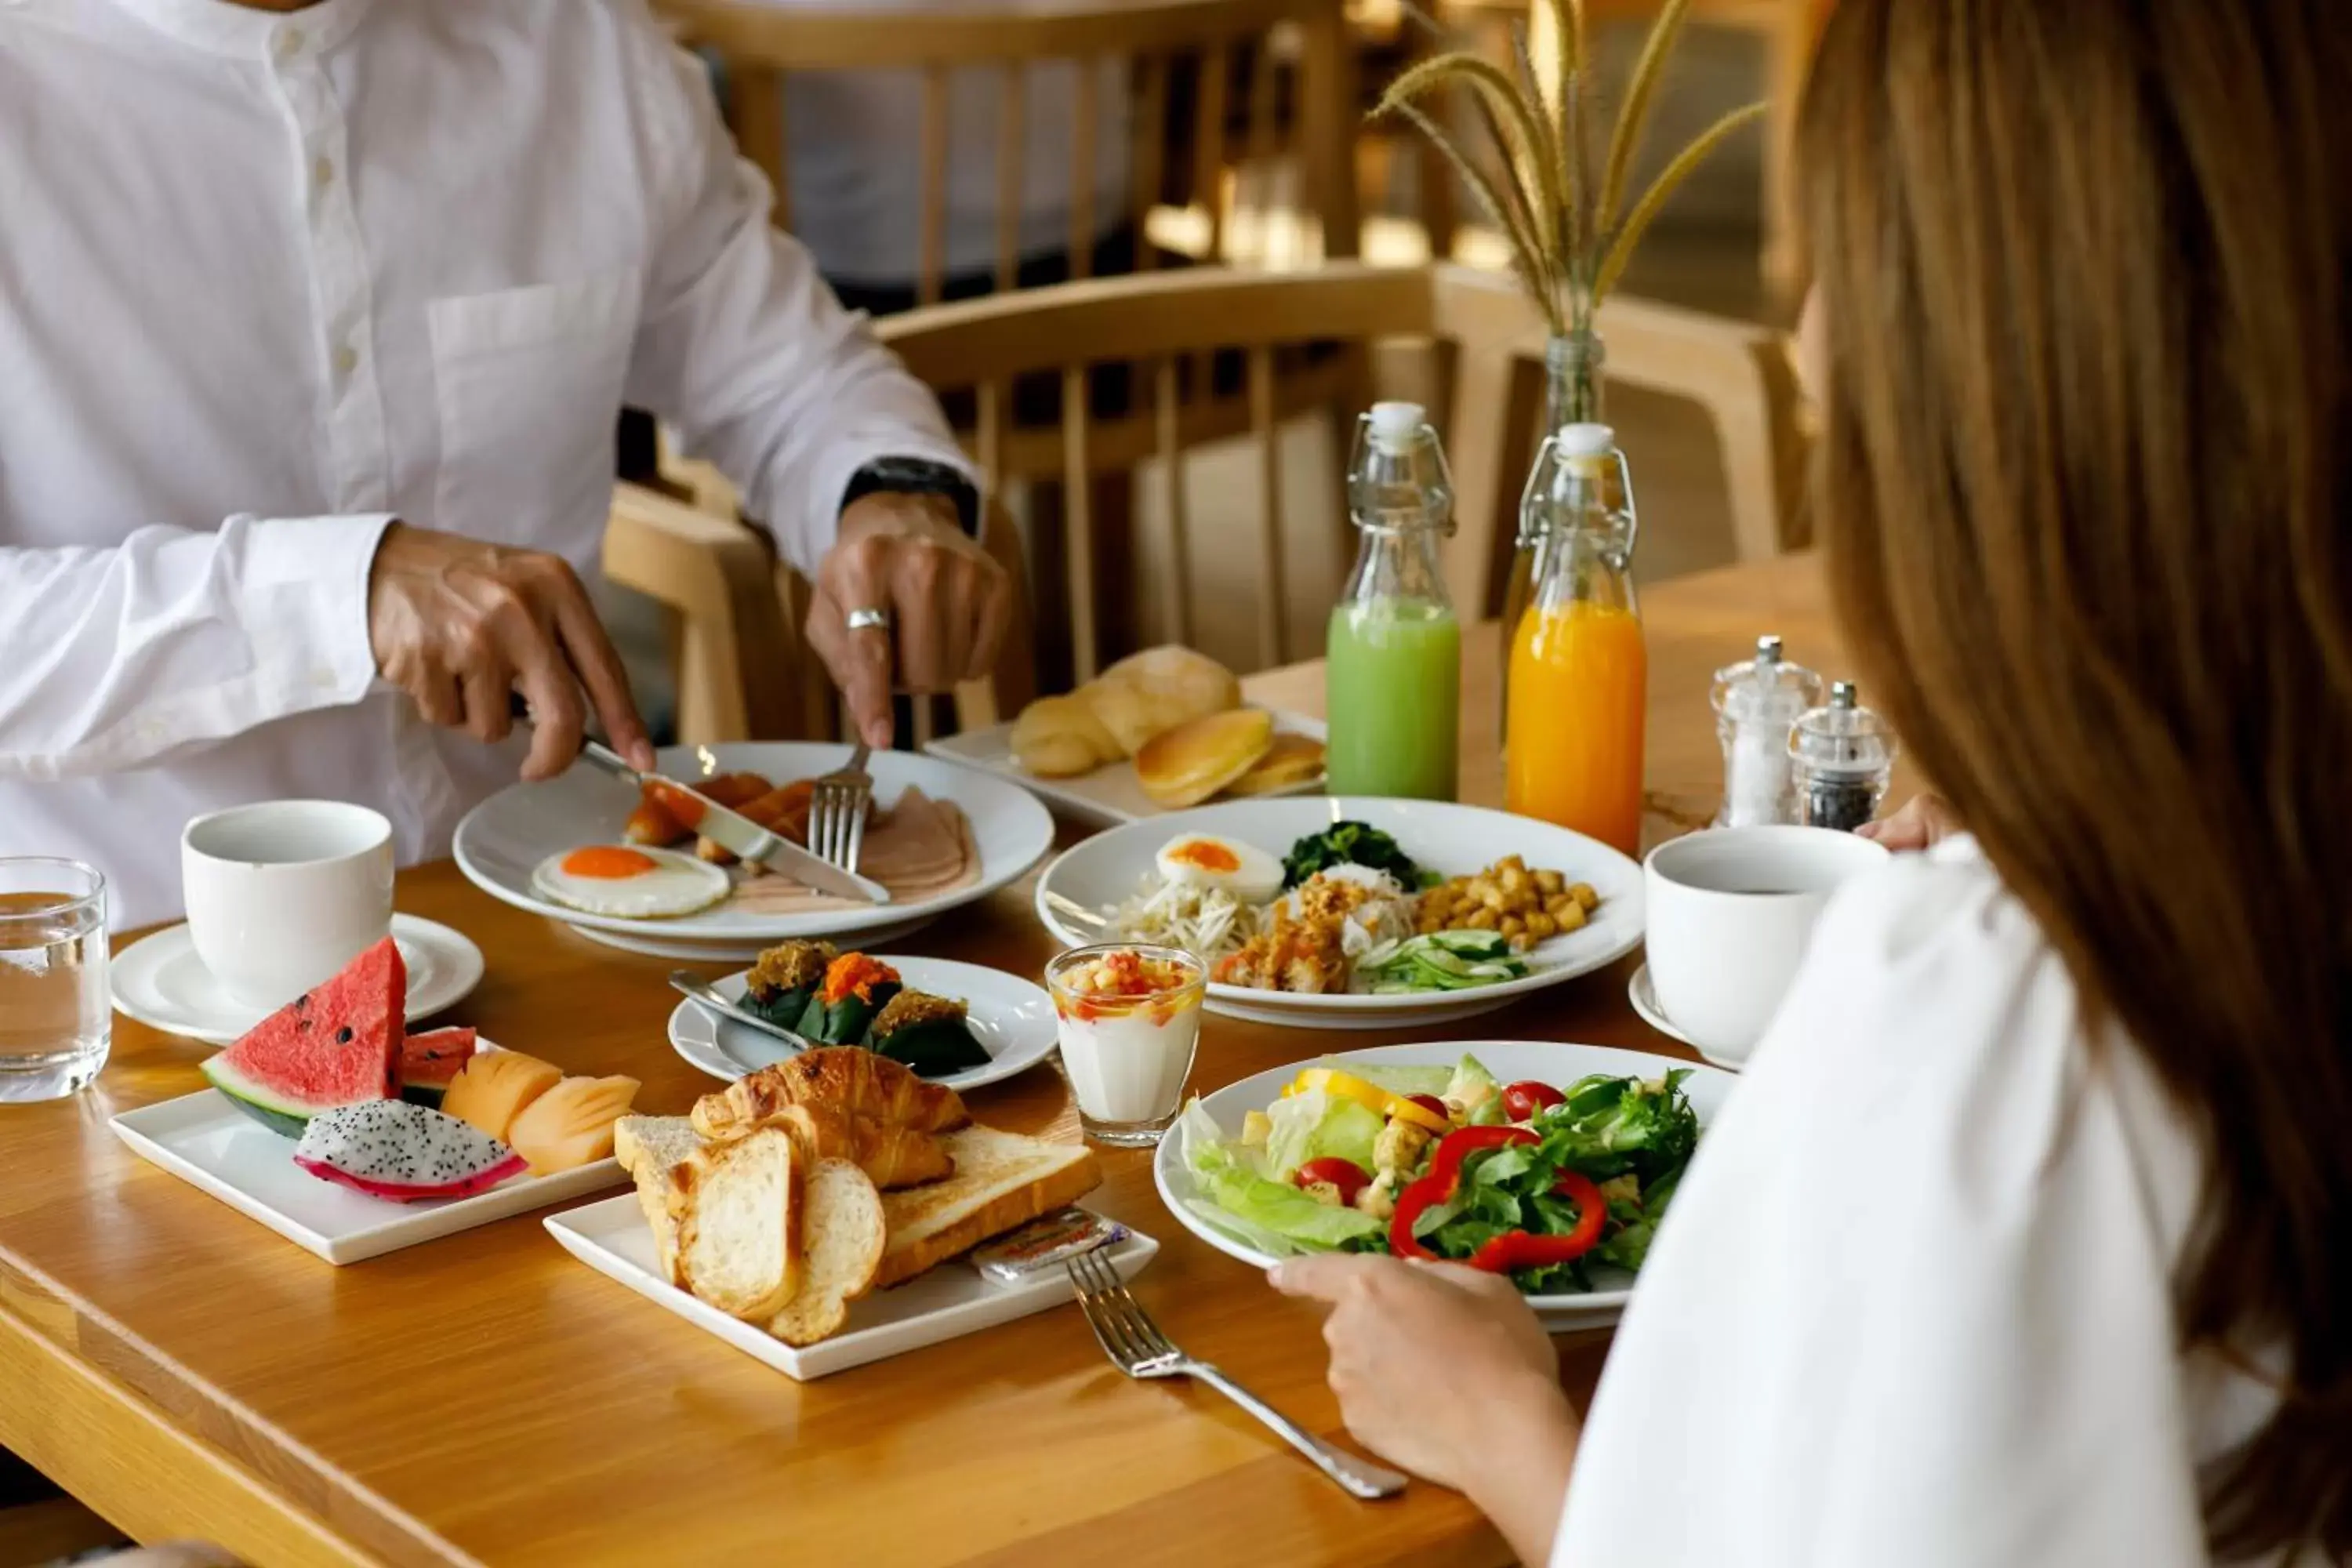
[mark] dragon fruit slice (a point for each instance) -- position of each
(392, 1149)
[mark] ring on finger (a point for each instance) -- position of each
(868, 618)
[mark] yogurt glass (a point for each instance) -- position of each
(1130, 1018)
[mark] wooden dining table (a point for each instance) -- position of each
(487, 1399)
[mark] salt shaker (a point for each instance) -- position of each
(1841, 757)
(1756, 701)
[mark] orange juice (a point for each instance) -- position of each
(1578, 694)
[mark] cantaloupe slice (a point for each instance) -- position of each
(571, 1125)
(494, 1089)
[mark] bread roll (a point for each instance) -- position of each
(1060, 738)
(1192, 762)
(1152, 692)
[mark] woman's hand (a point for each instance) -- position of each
(1924, 822)
(1445, 1371)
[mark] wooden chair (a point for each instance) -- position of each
(1486, 388)
(761, 45)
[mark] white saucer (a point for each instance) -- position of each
(160, 980)
(1645, 1002)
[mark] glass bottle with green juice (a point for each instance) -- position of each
(1395, 650)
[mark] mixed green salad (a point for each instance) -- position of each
(1537, 1181)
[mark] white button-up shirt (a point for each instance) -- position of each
(272, 279)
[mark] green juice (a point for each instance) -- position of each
(1394, 698)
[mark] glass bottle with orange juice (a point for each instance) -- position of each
(1578, 690)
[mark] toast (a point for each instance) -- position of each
(648, 1148)
(1002, 1180)
(741, 1208)
(844, 1230)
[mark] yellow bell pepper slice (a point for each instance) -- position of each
(1372, 1096)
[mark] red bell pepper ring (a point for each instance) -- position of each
(1444, 1175)
(1518, 1249)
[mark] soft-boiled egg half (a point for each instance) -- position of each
(1206, 860)
(629, 881)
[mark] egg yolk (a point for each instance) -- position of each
(1207, 854)
(608, 862)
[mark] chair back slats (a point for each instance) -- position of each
(1273, 587)
(1166, 418)
(1077, 512)
(1149, 134)
(1012, 169)
(930, 278)
(1087, 121)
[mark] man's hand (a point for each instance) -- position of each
(948, 604)
(1927, 821)
(460, 625)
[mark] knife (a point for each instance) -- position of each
(737, 833)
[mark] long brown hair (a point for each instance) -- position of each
(2086, 481)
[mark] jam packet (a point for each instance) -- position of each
(1044, 1243)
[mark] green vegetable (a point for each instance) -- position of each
(933, 1049)
(785, 1009)
(844, 1023)
(1348, 844)
(1407, 1080)
(1310, 1126)
(1473, 1089)
(1273, 1217)
(1440, 961)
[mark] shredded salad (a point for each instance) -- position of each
(1537, 1182)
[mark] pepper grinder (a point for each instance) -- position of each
(1756, 701)
(1841, 757)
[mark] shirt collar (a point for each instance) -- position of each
(245, 32)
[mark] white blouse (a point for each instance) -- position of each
(271, 279)
(1911, 1307)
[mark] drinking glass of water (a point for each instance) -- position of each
(56, 1015)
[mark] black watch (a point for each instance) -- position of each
(917, 476)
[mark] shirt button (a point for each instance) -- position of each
(289, 42)
(324, 172)
(347, 359)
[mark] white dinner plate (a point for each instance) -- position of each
(160, 980)
(209, 1143)
(501, 840)
(1452, 840)
(1109, 797)
(1511, 1061)
(944, 1303)
(1012, 1020)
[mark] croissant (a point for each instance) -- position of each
(847, 1078)
(891, 1157)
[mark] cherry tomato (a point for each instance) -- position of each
(1522, 1101)
(1431, 1103)
(1345, 1175)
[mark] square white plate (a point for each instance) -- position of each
(1109, 797)
(209, 1143)
(947, 1302)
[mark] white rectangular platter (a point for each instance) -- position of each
(1106, 797)
(947, 1302)
(211, 1145)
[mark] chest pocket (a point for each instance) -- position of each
(529, 382)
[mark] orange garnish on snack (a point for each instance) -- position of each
(609, 861)
(855, 974)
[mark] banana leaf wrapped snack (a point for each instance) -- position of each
(856, 988)
(786, 979)
(930, 1034)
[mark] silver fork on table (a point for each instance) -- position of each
(1137, 1348)
(837, 812)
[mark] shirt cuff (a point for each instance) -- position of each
(303, 595)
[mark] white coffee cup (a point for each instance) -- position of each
(1728, 913)
(282, 894)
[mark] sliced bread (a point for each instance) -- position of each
(845, 1232)
(738, 1229)
(649, 1148)
(1002, 1180)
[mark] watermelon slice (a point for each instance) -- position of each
(428, 1061)
(337, 1044)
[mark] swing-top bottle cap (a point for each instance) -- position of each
(1396, 425)
(1587, 440)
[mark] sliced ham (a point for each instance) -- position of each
(919, 848)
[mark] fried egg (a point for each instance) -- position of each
(632, 881)
(1206, 860)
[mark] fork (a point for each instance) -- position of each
(1137, 1348)
(837, 812)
